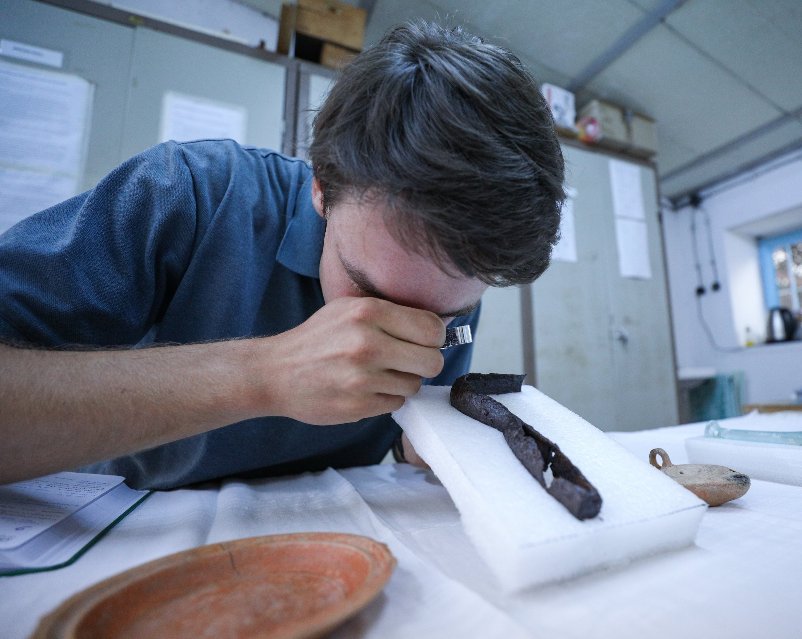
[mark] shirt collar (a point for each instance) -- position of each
(302, 244)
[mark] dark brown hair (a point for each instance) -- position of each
(454, 137)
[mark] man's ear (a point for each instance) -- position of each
(317, 197)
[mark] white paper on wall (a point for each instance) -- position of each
(625, 183)
(44, 127)
(24, 51)
(632, 237)
(565, 249)
(633, 248)
(186, 117)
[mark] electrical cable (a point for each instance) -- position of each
(700, 288)
(698, 209)
(711, 338)
(716, 285)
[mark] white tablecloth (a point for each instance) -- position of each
(740, 579)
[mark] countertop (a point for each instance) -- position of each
(741, 578)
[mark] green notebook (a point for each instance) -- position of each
(49, 522)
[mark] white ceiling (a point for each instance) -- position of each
(722, 78)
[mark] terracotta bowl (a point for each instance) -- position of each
(279, 586)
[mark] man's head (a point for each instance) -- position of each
(450, 138)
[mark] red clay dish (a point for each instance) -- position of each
(295, 586)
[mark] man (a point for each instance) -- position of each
(210, 310)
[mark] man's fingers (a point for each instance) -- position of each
(420, 361)
(355, 358)
(389, 383)
(411, 325)
(399, 384)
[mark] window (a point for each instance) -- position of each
(781, 268)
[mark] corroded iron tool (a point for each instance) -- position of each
(457, 335)
(470, 395)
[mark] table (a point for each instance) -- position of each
(740, 579)
(776, 407)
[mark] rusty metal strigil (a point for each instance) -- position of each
(470, 395)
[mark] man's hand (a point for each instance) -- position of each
(356, 357)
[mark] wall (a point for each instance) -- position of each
(766, 201)
(221, 18)
(132, 70)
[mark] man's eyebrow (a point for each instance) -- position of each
(359, 278)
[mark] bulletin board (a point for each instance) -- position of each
(141, 85)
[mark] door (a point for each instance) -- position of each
(313, 82)
(603, 343)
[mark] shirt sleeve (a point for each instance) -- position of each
(97, 269)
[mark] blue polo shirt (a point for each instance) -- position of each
(189, 243)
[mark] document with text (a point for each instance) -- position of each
(49, 521)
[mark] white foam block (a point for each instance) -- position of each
(780, 463)
(526, 537)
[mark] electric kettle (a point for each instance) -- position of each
(781, 325)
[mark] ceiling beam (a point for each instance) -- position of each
(733, 144)
(623, 44)
(710, 187)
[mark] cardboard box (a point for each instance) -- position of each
(621, 129)
(561, 103)
(334, 56)
(308, 27)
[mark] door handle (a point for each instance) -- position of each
(621, 335)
